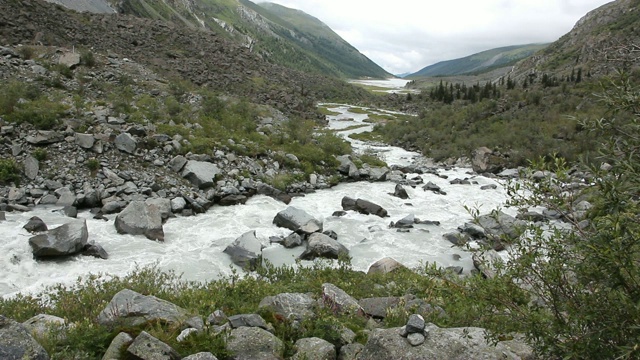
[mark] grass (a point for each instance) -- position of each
(325, 111)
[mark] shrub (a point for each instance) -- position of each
(93, 164)
(40, 154)
(9, 171)
(87, 58)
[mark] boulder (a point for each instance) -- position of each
(35, 224)
(129, 308)
(321, 245)
(254, 343)
(85, 141)
(498, 225)
(67, 239)
(43, 137)
(249, 320)
(125, 142)
(17, 195)
(201, 356)
(178, 204)
(231, 200)
(433, 188)
(147, 347)
(314, 349)
(486, 261)
(2, 216)
(268, 190)
(95, 250)
(291, 241)
(140, 218)
(294, 306)
(363, 206)
(484, 160)
(350, 351)
(339, 301)
(457, 238)
(245, 251)
(117, 345)
(31, 167)
(404, 223)
(347, 167)
(297, 220)
(384, 266)
(400, 192)
(177, 163)
(200, 173)
(70, 211)
(440, 343)
(378, 173)
(66, 197)
(69, 59)
(16, 343)
(40, 325)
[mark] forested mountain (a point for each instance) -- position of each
(480, 62)
(277, 34)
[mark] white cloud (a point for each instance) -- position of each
(407, 35)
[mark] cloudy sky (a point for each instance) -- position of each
(407, 35)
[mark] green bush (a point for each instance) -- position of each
(40, 154)
(87, 58)
(9, 171)
(42, 113)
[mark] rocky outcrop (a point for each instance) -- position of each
(141, 218)
(129, 308)
(16, 343)
(245, 251)
(67, 239)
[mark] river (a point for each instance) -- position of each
(193, 245)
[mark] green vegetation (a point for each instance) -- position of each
(9, 171)
(40, 154)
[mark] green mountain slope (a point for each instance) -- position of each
(480, 62)
(277, 34)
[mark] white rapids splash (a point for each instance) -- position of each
(193, 245)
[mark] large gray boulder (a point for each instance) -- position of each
(31, 167)
(16, 343)
(147, 347)
(35, 224)
(67, 239)
(141, 218)
(484, 160)
(314, 349)
(297, 220)
(41, 325)
(254, 343)
(384, 266)
(450, 344)
(117, 345)
(498, 225)
(486, 262)
(125, 142)
(347, 167)
(363, 206)
(85, 141)
(201, 356)
(200, 173)
(323, 246)
(339, 301)
(245, 251)
(129, 308)
(268, 190)
(45, 137)
(295, 306)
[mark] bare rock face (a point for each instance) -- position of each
(140, 218)
(129, 308)
(67, 239)
(16, 343)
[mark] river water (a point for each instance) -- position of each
(193, 245)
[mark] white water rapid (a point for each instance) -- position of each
(193, 245)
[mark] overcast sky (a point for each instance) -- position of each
(407, 35)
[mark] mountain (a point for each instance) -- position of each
(276, 33)
(605, 39)
(480, 62)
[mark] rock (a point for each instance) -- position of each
(163, 205)
(245, 251)
(489, 187)
(16, 343)
(347, 167)
(321, 245)
(314, 349)
(400, 192)
(177, 163)
(125, 142)
(434, 188)
(85, 141)
(231, 200)
(2, 216)
(454, 344)
(113, 177)
(415, 324)
(40, 325)
(473, 230)
(484, 160)
(147, 347)
(201, 356)
(218, 317)
(35, 224)
(178, 204)
(339, 213)
(297, 220)
(404, 223)
(457, 238)
(16, 195)
(363, 206)
(532, 216)
(70, 211)
(291, 241)
(384, 266)
(31, 167)
(69, 59)
(67, 239)
(66, 197)
(139, 218)
(292, 306)
(249, 320)
(200, 173)
(378, 307)
(253, 343)
(485, 262)
(117, 345)
(350, 351)
(339, 301)
(95, 251)
(377, 174)
(129, 308)
(499, 224)
(113, 207)
(264, 189)
(43, 137)
(416, 339)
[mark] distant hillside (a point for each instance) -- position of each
(480, 62)
(277, 34)
(605, 39)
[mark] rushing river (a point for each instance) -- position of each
(193, 245)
